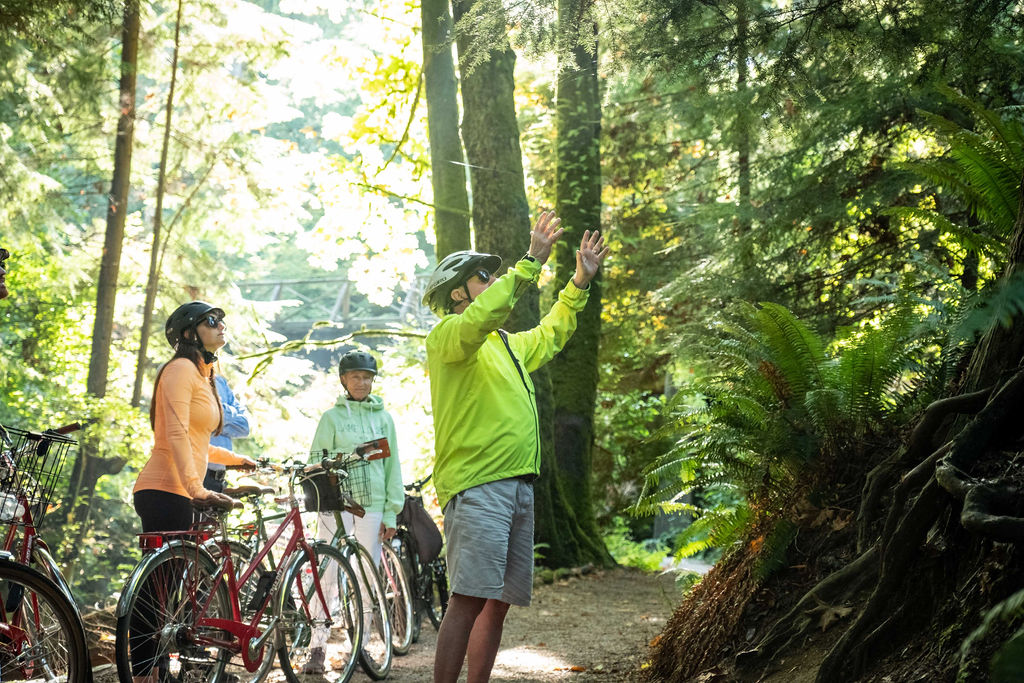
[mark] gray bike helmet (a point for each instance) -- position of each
(186, 317)
(452, 272)
(357, 360)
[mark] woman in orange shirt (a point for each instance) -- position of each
(184, 412)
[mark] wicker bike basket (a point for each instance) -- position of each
(29, 470)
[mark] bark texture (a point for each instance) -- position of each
(447, 166)
(117, 207)
(574, 372)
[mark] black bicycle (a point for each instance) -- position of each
(418, 545)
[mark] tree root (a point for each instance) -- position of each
(921, 442)
(848, 658)
(834, 589)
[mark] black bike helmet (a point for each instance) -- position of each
(452, 272)
(186, 317)
(357, 360)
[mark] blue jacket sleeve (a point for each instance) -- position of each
(236, 418)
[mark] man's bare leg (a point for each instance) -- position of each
(453, 636)
(484, 641)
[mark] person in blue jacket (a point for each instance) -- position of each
(236, 426)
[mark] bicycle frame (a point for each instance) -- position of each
(246, 637)
(32, 549)
(246, 631)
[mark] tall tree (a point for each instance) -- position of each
(447, 170)
(117, 205)
(501, 223)
(154, 255)
(88, 466)
(574, 372)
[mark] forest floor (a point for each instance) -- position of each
(594, 627)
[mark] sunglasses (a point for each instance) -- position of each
(484, 276)
(213, 321)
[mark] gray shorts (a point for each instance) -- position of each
(489, 533)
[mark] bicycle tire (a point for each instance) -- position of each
(43, 638)
(297, 606)
(438, 598)
(158, 613)
(375, 655)
(241, 554)
(399, 597)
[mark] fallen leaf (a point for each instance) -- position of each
(831, 614)
(577, 668)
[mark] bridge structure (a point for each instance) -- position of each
(335, 300)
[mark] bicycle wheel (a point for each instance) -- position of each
(41, 635)
(251, 597)
(399, 598)
(309, 624)
(159, 612)
(438, 596)
(375, 654)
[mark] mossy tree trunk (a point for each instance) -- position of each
(574, 372)
(88, 467)
(501, 225)
(447, 166)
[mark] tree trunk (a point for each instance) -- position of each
(87, 468)
(1004, 346)
(447, 168)
(501, 223)
(742, 145)
(154, 256)
(574, 372)
(117, 206)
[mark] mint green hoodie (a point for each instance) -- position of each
(485, 411)
(350, 423)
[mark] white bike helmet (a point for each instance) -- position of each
(452, 272)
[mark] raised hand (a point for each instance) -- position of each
(544, 235)
(589, 257)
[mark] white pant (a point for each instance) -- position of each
(366, 529)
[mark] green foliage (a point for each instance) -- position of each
(778, 412)
(647, 554)
(1008, 662)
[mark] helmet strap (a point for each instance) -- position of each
(208, 357)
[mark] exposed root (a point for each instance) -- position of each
(834, 589)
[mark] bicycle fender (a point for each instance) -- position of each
(41, 555)
(131, 585)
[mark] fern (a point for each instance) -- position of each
(1009, 656)
(998, 304)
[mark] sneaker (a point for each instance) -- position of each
(315, 663)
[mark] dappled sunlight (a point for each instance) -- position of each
(527, 659)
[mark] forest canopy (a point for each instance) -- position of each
(815, 217)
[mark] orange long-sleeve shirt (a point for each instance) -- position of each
(186, 413)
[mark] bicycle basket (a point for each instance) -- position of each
(29, 472)
(323, 490)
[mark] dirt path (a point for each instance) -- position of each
(595, 627)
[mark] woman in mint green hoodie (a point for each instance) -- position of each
(356, 418)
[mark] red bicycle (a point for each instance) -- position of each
(41, 632)
(196, 614)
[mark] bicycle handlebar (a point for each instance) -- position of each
(417, 486)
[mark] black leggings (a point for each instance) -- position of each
(159, 511)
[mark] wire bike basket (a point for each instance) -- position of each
(29, 470)
(325, 490)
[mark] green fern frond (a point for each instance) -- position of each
(775, 549)
(998, 304)
(716, 528)
(1007, 611)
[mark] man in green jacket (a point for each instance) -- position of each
(486, 433)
